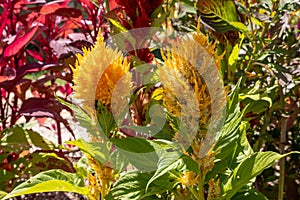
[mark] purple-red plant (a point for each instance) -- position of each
(138, 14)
(38, 40)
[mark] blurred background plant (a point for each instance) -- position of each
(261, 44)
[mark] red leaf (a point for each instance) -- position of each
(22, 86)
(20, 4)
(35, 55)
(112, 4)
(42, 107)
(29, 68)
(19, 43)
(88, 3)
(4, 20)
(68, 12)
(50, 8)
(7, 74)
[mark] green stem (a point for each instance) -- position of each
(281, 147)
(107, 5)
(195, 193)
(103, 191)
(200, 187)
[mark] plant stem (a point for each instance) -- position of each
(2, 116)
(107, 5)
(195, 193)
(281, 147)
(200, 187)
(59, 139)
(14, 111)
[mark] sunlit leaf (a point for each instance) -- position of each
(220, 15)
(249, 169)
(20, 42)
(141, 153)
(173, 161)
(98, 150)
(50, 181)
(133, 186)
(118, 25)
(2, 194)
(249, 195)
(17, 136)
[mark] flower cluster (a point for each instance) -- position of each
(186, 93)
(193, 95)
(97, 72)
(189, 178)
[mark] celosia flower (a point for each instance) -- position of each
(94, 187)
(97, 72)
(214, 190)
(203, 41)
(193, 91)
(102, 177)
(189, 178)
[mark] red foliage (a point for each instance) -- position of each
(139, 15)
(19, 42)
(41, 36)
(135, 8)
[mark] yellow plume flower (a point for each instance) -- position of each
(189, 178)
(185, 89)
(193, 90)
(97, 72)
(214, 190)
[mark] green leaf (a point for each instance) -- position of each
(249, 169)
(188, 2)
(234, 98)
(257, 103)
(231, 150)
(98, 150)
(141, 153)
(2, 194)
(105, 119)
(160, 20)
(227, 144)
(239, 26)
(119, 160)
(17, 136)
(235, 53)
(249, 195)
(132, 186)
(50, 181)
(39, 161)
(229, 134)
(257, 22)
(173, 161)
(81, 167)
(84, 119)
(244, 146)
(117, 25)
(221, 15)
